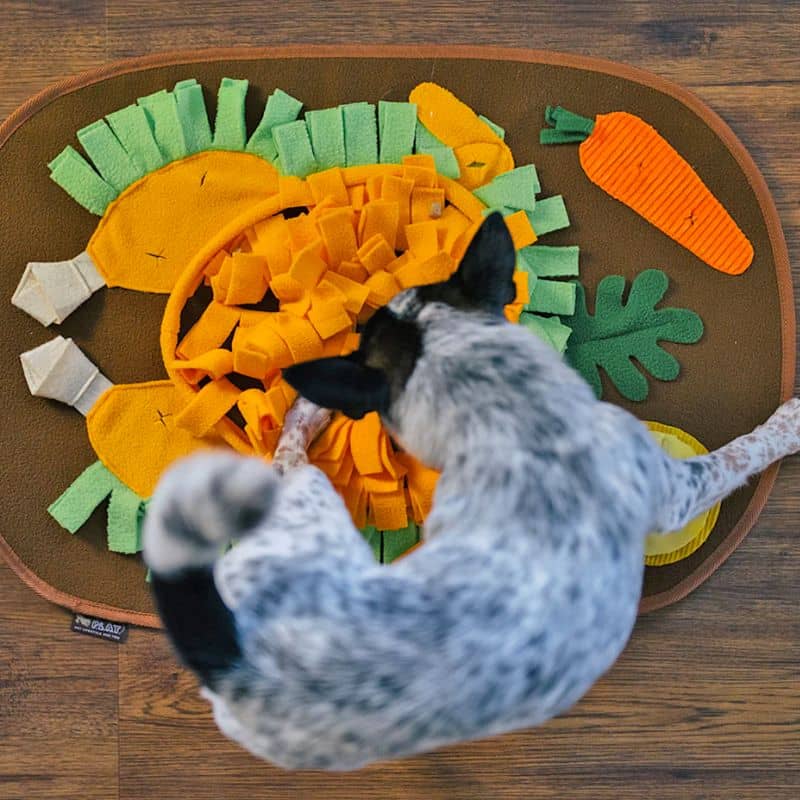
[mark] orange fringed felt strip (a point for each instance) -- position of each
(327, 268)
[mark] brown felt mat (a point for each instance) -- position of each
(730, 382)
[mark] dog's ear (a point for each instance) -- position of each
(486, 272)
(342, 383)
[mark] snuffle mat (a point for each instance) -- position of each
(255, 208)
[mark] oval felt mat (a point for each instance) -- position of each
(730, 381)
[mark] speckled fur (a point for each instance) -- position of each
(524, 593)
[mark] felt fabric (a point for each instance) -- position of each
(132, 129)
(374, 539)
(60, 371)
(137, 430)
(498, 131)
(211, 188)
(397, 124)
(545, 261)
(50, 292)
(379, 217)
(108, 155)
(71, 172)
(519, 226)
(552, 297)
(230, 132)
(125, 517)
(161, 110)
(326, 128)
(455, 124)
(83, 569)
(630, 160)
(74, 507)
(663, 549)
(294, 149)
(88, 491)
(210, 331)
(397, 542)
(280, 109)
(621, 330)
(549, 215)
(360, 133)
(328, 184)
(550, 329)
(339, 236)
(444, 157)
(193, 115)
(516, 189)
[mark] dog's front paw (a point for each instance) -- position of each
(203, 502)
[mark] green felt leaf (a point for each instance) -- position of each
(125, 517)
(547, 261)
(621, 330)
(126, 509)
(424, 139)
(549, 215)
(131, 127)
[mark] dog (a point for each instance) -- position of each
(526, 588)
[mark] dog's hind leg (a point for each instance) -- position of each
(695, 484)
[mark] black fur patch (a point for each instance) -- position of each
(484, 279)
(201, 626)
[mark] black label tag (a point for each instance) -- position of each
(101, 628)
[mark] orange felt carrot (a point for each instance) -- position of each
(631, 161)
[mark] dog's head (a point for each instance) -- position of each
(393, 342)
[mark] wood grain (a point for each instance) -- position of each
(705, 703)
(58, 703)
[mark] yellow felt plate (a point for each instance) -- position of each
(661, 549)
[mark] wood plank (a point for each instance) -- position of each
(723, 730)
(58, 702)
(45, 42)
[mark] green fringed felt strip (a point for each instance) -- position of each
(397, 124)
(326, 128)
(390, 545)
(126, 509)
(444, 157)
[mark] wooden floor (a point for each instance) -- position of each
(705, 703)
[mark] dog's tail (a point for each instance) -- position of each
(200, 505)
